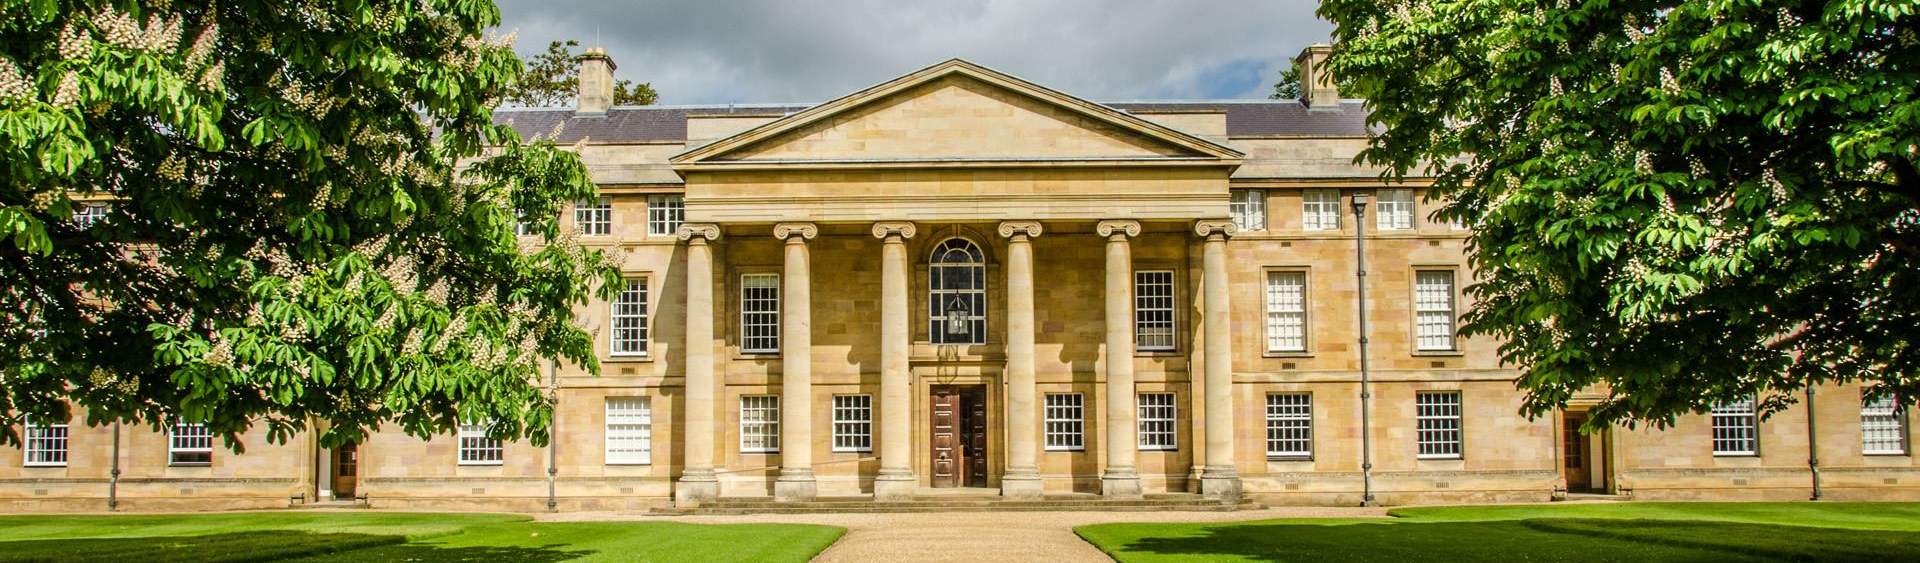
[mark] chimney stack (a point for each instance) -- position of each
(1316, 83)
(596, 82)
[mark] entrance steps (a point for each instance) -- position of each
(971, 503)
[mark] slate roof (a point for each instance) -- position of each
(638, 124)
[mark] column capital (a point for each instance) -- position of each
(1209, 227)
(708, 231)
(1029, 228)
(884, 229)
(784, 231)
(1127, 227)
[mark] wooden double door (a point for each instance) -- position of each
(959, 435)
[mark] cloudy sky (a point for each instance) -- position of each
(763, 51)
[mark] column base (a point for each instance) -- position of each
(694, 490)
(1119, 484)
(1220, 485)
(795, 486)
(895, 487)
(1022, 485)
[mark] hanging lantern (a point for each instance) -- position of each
(957, 323)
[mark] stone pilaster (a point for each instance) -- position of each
(1219, 479)
(1022, 479)
(698, 484)
(1121, 479)
(896, 480)
(796, 481)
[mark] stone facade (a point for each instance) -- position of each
(1066, 201)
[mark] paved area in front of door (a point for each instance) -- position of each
(974, 536)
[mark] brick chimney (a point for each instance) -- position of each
(1316, 84)
(596, 82)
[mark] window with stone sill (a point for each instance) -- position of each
(1883, 426)
(1158, 421)
(760, 313)
(629, 431)
(665, 212)
(1153, 320)
(1433, 311)
(1394, 211)
(476, 447)
(1437, 424)
(44, 445)
(1320, 210)
(1064, 421)
(1286, 312)
(1736, 429)
(189, 444)
(593, 217)
(1289, 425)
(1249, 209)
(629, 318)
(760, 424)
(853, 423)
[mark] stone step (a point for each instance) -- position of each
(904, 508)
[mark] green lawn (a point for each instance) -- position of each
(1572, 533)
(380, 536)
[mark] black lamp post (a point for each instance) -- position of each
(1366, 396)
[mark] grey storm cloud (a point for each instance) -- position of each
(763, 51)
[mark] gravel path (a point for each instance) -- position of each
(973, 536)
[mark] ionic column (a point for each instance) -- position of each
(1120, 479)
(796, 366)
(697, 483)
(1022, 479)
(1219, 479)
(896, 480)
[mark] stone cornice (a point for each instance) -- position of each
(806, 231)
(1029, 228)
(1111, 227)
(1210, 227)
(708, 231)
(884, 229)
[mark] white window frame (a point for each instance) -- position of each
(760, 313)
(472, 446)
(189, 438)
(1320, 210)
(1438, 425)
(853, 423)
(629, 430)
(593, 218)
(1249, 209)
(1736, 429)
(1394, 210)
(665, 213)
(1883, 425)
(1433, 311)
(1290, 422)
(630, 332)
(1064, 423)
(1286, 306)
(760, 424)
(1155, 327)
(1158, 421)
(939, 296)
(43, 445)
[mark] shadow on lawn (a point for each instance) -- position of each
(1536, 540)
(264, 546)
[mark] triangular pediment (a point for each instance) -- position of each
(956, 113)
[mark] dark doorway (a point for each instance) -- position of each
(1574, 453)
(346, 470)
(959, 435)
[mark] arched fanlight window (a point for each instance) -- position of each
(957, 293)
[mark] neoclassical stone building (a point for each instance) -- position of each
(958, 278)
